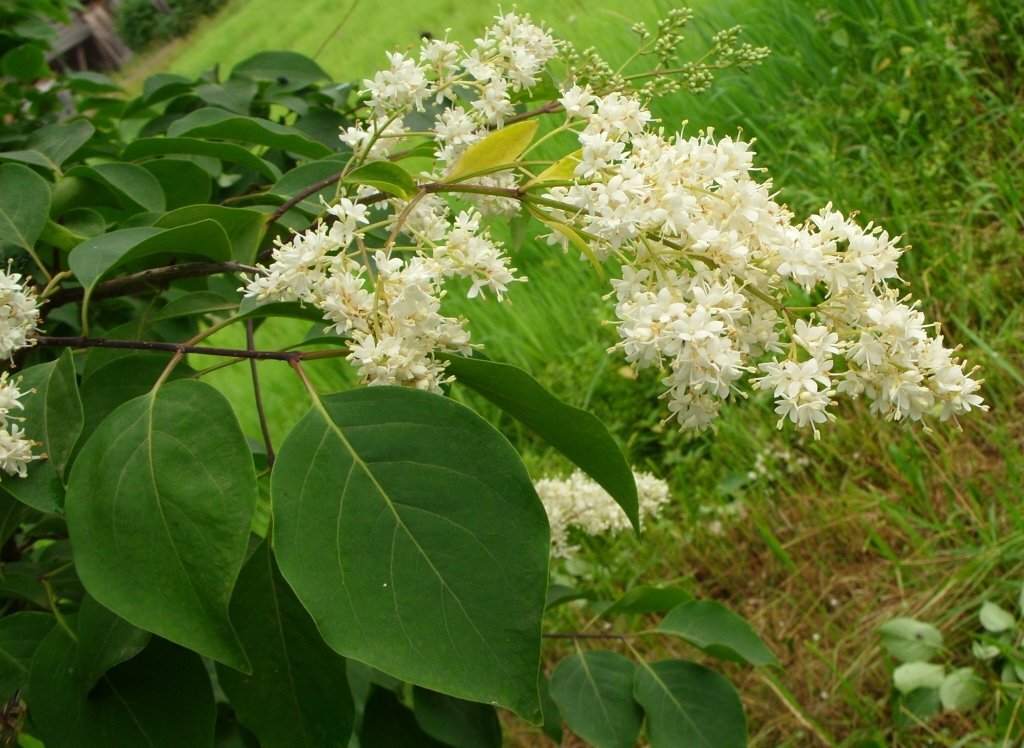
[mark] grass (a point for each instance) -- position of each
(913, 114)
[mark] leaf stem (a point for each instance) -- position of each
(250, 345)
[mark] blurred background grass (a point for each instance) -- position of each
(910, 112)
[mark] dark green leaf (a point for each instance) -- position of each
(594, 692)
(301, 177)
(297, 694)
(455, 722)
(231, 152)
(252, 309)
(233, 95)
(387, 723)
(91, 260)
(50, 146)
(84, 221)
(24, 205)
(243, 226)
(689, 704)
(575, 433)
(183, 182)
(196, 303)
(53, 417)
(645, 599)
(25, 63)
(104, 640)
(295, 69)
(159, 699)
(133, 185)
(559, 594)
(715, 629)
(159, 549)
(409, 529)
(212, 122)
(385, 176)
(88, 81)
(552, 726)
(12, 514)
(20, 634)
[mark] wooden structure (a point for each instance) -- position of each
(91, 41)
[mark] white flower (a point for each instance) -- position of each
(19, 314)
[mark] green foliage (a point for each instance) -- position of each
(141, 23)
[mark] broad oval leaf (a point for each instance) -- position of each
(20, 635)
(410, 530)
(212, 122)
(183, 182)
(594, 693)
(996, 619)
(387, 722)
(243, 226)
(159, 507)
(91, 260)
(297, 695)
(910, 640)
(715, 629)
(961, 690)
(54, 418)
(104, 641)
(133, 185)
(24, 205)
(385, 176)
(456, 722)
(577, 434)
(646, 599)
(52, 145)
(689, 705)
(911, 676)
(160, 699)
(499, 148)
(230, 152)
(296, 69)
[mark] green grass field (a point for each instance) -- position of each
(913, 114)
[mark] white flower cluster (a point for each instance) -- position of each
(15, 449)
(19, 314)
(577, 503)
(709, 262)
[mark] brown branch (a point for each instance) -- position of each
(250, 345)
(181, 348)
(300, 196)
(549, 108)
(146, 279)
(621, 637)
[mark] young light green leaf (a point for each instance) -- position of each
(715, 629)
(92, 260)
(409, 529)
(913, 675)
(230, 152)
(162, 695)
(575, 433)
(501, 147)
(995, 618)
(134, 187)
(594, 693)
(297, 695)
(24, 205)
(211, 122)
(20, 635)
(158, 550)
(385, 176)
(561, 170)
(961, 690)
(571, 235)
(689, 705)
(456, 722)
(54, 418)
(909, 640)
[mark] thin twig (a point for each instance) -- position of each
(176, 348)
(250, 344)
(581, 635)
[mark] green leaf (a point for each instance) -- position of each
(53, 416)
(20, 635)
(912, 709)
(455, 722)
(961, 690)
(250, 308)
(195, 304)
(24, 205)
(92, 260)
(243, 226)
(295, 69)
(409, 529)
(559, 594)
(297, 694)
(575, 433)
(84, 222)
(104, 641)
(689, 704)
(160, 699)
(562, 170)
(25, 63)
(302, 177)
(552, 726)
(230, 152)
(133, 186)
(12, 514)
(645, 599)
(161, 551)
(715, 629)
(212, 122)
(594, 692)
(911, 676)
(52, 145)
(183, 182)
(501, 147)
(385, 176)
(387, 723)
(909, 640)
(996, 619)
(571, 235)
